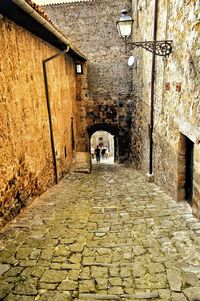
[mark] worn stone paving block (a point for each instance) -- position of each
(98, 297)
(141, 251)
(191, 279)
(178, 297)
(53, 276)
(165, 294)
(142, 295)
(174, 279)
(5, 288)
(55, 296)
(192, 269)
(19, 298)
(4, 268)
(192, 293)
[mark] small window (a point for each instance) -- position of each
(79, 68)
(100, 138)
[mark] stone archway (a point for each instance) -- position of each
(121, 139)
(104, 141)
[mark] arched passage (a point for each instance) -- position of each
(121, 139)
(104, 142)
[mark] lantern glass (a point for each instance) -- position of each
(124, 25)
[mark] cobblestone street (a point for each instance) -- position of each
(108, 235)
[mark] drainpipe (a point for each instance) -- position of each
(153, 70)
(44, 62)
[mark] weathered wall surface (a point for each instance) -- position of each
(82, 142)
(25, 148)
(92, 25)
(176, 107)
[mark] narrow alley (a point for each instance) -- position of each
(108, 235)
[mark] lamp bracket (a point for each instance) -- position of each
(161, 48)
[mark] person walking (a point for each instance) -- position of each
(103, 151)
(98, 154)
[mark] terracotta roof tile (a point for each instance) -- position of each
(57, 2)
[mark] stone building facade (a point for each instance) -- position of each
(176, 108)
(92, 25)
(26, 161)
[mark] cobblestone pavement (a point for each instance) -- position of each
(104, 236)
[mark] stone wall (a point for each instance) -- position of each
(25, 148)
(92, 25)
(82, 141)
(176, 101)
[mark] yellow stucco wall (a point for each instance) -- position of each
(25, 149)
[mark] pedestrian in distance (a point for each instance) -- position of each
(97, 154)
(103, 151)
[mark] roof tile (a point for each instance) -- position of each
(56, 2)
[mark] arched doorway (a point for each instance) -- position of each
(110, 129)
(122, 140)
(106, 145)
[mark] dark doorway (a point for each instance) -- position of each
(189, 158)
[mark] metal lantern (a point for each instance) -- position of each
(124, 25)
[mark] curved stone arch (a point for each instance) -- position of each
(121, 139)
(112, 129)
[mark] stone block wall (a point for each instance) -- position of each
(25, 148)
(81, 111)
(176, 99)
(92, 25)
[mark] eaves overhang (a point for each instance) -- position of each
(23, 13)
(60, 2)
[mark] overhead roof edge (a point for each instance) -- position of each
(59, 2)
(38, 23)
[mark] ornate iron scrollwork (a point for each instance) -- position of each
(161, 48)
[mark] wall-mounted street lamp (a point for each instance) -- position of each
(125, 25)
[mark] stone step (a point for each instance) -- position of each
(82, 162)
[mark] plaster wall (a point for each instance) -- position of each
(25, 149)
(176, 101)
